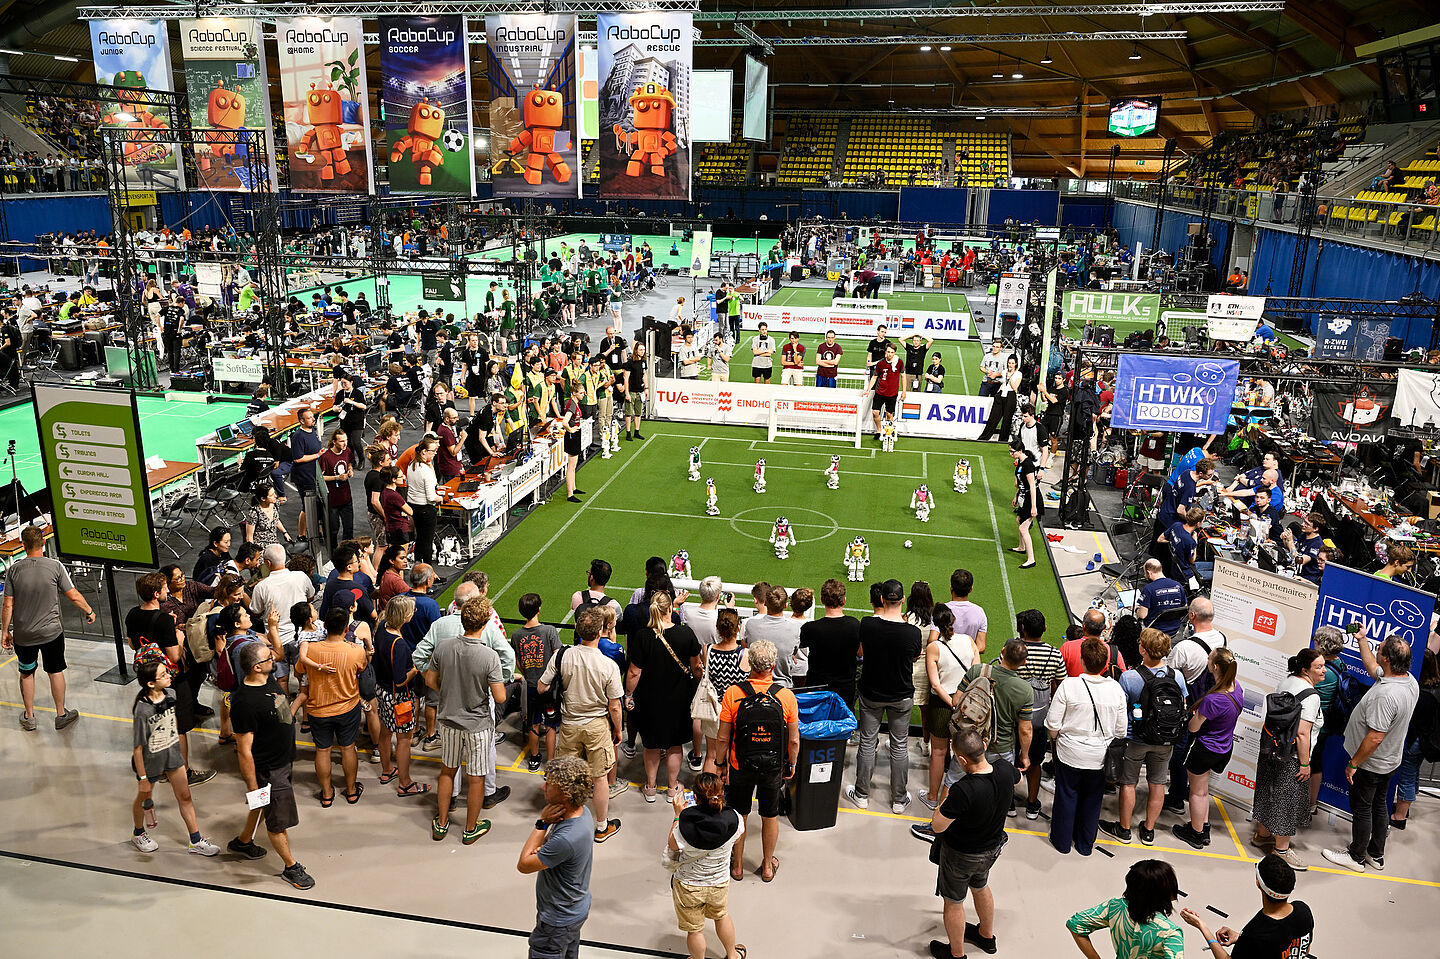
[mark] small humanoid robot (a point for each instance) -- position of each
(680, 564)
(887, 433)
(920, 502)
(782, 536)
(605, 430)
(324, 141)
(760, 475)
(711, 509)
(651, 107)
(225, 112)
(832, 474)
(857, 558)
(962, 475)
(544, 116)
(694, 464)
(427, 126)
(132, 111)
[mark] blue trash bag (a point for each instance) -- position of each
(824, 715)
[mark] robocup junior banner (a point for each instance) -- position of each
(133, 56)
(534, 138)
(326, 106)
(226, 83)
(645, 110)
(425, 101)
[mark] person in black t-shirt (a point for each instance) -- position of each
(1280, 930)
(915, 351)
(875, 349)
(833, 644)
(887, 694)
(350, 404)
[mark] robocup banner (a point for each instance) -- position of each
(225, 81)
(133, 56)
(534, 134)
(326, 104)
(645, 110)
(857, 322)
(1172, 393)
(425, 100)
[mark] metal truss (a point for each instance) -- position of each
(1138, 36)
(70, 90)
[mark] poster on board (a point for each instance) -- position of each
(225, 82)
(326, 104)
(425, 100)
(133, 56)
(645, 104)
(533, 82)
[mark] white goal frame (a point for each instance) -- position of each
(840, 420)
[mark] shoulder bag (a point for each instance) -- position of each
(705, 704)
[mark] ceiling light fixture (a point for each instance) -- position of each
(66, 59)
(1017, 75)
(1045, 58)
(944, 49)
(1135, 52)
(980, 116)
(925, 48)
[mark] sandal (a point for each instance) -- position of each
(438, 829)
(353, 799)
(327, 801)
(740, 950)
(414, 789)
(774, 868)
(388, 777)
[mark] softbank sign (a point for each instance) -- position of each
(1084, 306)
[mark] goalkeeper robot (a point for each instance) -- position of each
(711, 508)
(694, 464)
(857, 558)
(962, 476)
(832, 474)
(920, 502)
(760, 475)
(782, 535)
(887, 433)
(680, 564)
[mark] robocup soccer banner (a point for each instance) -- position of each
(326, 103)
(134, 56)
(425, 100)
(534, 141)
(1360, 415)
(1173, 393)
(225, 81)
(645, 110)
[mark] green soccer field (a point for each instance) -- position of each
(641, 504)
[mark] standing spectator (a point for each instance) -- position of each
(422, 495)
(947, 656)
(534, 644)
(334, 703)
(394, 676)
(701, 616)
(1085, 716)
(157, 755)
(1282, 790)
(886, 690)
(280, 590)
(827, 360)
(1155, 697)
(559, 853)
(992, 368)
(664, 665)
(1043, 670)
(1281, 928)
(305, 449)
(1422, 720)
(337, 465)
(1139, 921)
(447, 458)
(723, 664)
(32, 626)
(1212, 722)
(792, 361)
(773, 625)
(689, 356)
(886, 382)
(1092, 626)
(632, 387)
(698, 852)
(396, 513)
(970, 618)
(832, 644)
(762, 349)
(350, 406)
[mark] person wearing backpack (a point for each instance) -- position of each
(760, 733)
(1086, 714)
(1044, 669)
(1190, 655)
(1212, 726)
(1328, 641)
(1422, 741)
(1155, 696)
(1282, 791)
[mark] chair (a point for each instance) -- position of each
(170, 523)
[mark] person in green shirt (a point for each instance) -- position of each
(595, 292)
(1014, 697)
(249, 297)
(602, 380)
(574, 375)
(490, 297)
(733, 315)
(535, 398)
(570, 291)
(613, 293)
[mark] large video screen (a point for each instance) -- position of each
(1134, 116)
(757, 97)
(712, 93)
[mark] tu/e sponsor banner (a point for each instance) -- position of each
(225, 81)
(646, 60)
(133, 56)
(425, 102)
(326, 103)
(534, 87)
(1184, 394)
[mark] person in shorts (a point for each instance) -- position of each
(534, 644)
(157, 754)
(762, 349)
(31, 623)
(885, 380)
(334, 703)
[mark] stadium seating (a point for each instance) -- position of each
(724, 162)
(809, 150)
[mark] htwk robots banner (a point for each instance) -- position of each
(1156, 392)
(645, 109)
(226, 83)
(426, 97)
(134, 56)
(534, 140)
(327, 108)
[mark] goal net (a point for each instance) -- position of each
(838, 420)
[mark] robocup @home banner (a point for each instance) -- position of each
(645, 109)
(133, 56)
(425, 99)
(534, 141)
(225, 81)
(326, 103)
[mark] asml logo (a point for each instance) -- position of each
(950, 413)
(956, 325)
(1266, 622)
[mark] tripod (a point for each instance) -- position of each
(15, 486)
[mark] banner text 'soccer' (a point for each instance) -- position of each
(133, 56)
(425, 100)
(1173, 393)
(645, 108)
(534, 141)
(225, 81)
(1360, 415)
(326, 105)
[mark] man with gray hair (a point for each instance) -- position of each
(700, 617)
(445, 628)
(280, 590)
(421, 579)
(771, 624)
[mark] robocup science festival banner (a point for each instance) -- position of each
(134, 56)
(645, 110)
(225, 80)
(1174, 394)
(326, 104)
(425, 100)
(534, 141)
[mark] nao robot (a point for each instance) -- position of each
(711, 509)
(680, 564)
(324, 140)
(426, 127)
(857, 558)
(651, 108)
(832, 473)
(760, 475)
(694, 464)
(887, 434)
(920, 502)
(544, 116)
(783, 537)
(962, 476)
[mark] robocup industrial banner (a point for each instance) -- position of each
(1173, 393)
(646, 60)
(534, 139)
(425, 102)
(326, 103)
(133, 56)
(225, 80)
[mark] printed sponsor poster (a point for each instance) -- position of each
(1235, 307)
(1358, 415)
(1335, 337)
(425, 99)
(1106, 308)
(701, 243)
(1172, 393)
(225, 80)
(645, 109)
(534, 132)
(1011, 299)
(326, 104)
(133, 56)
(1371, 337)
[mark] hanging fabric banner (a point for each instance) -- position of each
(534, 139)
(645, 65)
(1417, 399)
(326, 104)
(1360, 415)
(225, 81)
(133, 56)
(1173, 393)
(425, 103)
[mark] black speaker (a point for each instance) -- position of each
(797, 272)
(1394, 346)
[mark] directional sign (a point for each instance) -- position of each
(95, 468)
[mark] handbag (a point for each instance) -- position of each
(705, 704)
(403, 709)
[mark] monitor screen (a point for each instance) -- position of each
(1134, 116)
(757, 99)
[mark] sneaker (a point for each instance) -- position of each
(430, 744)
(1147, 836)
(1175, 805)
(204, 848)
(67, 718)
(627, 750)
(500, 737)
(297, 876)
(929, 803)
(496, 798)
(618, 787)
(373, 756)
(1341, 857)
(696, 763)
(1375, 862)
(27, 723)
(923, 831)
(197, 777)
(940, 949)
(1185, 833)
(649, 792)
(202, 712)
(1205, 834)
(1112, 828)
(1032, 810)
(1293, 858)
(247, 849)
(861, 802)
(1263, 843)
(471, 836)
(144, 843)
(972, 936)
(611, 828)
(1014, 810)
(533, 763)
(898, 808)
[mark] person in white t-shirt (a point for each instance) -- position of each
(1086, 714)
(690, 355)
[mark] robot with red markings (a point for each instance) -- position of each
(132, 111)
(225, 112)
(651, 109)
(544, 117)
(427, 125)
(323, 113)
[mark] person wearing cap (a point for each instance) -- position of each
(1281, 928)
(887, 694)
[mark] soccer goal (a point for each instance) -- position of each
(839, 419)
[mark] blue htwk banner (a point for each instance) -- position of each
(1176, 393)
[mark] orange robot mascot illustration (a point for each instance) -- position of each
(323, 112)
(132, 111)
(544, 117)
(226, 113)
(427, 125)
(651, 107)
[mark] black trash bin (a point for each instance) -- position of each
(825, 727)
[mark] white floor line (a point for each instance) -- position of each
(999, 550)
(765, 522)
(763, 445)
(964, 377)
(804, 469)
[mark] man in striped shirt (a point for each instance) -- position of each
(1043, 669)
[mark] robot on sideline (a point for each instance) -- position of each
(920, 502)
(857, 558)
(832, 474)
(711, 509)
(887, 433)
(760, 475)
(694, 464)
(782, 536)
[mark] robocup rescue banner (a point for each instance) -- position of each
(225, 82)
(645, 109)
(1173, 393)
(134, 56)
(534, 138)
(326, 103)
(425, 101)
(899, 324)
